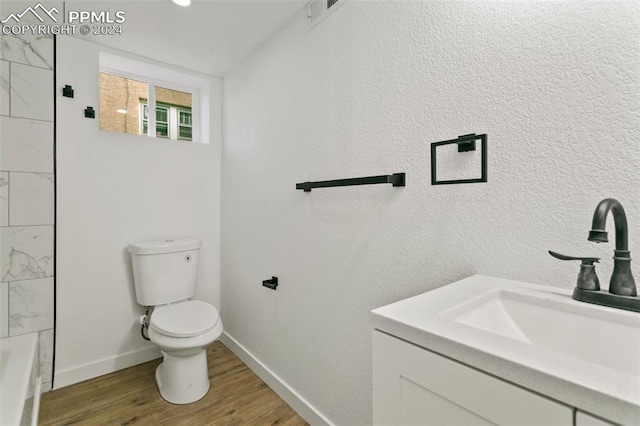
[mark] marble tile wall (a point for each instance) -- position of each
(27, 192)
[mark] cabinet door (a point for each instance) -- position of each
(413, 386)
(583, 419)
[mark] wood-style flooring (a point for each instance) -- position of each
(237, 397)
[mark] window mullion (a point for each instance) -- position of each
(173, 123)
(151, 110)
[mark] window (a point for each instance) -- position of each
(146, 99)
(124, 108)
(172, 121)
(144, 115)
(173, 114)
(162, 123)
(184, 124)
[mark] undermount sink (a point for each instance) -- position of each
(603, 337)
(538, 337)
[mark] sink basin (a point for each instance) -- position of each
(584, 355)
(606, 338)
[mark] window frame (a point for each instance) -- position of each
(152, 84)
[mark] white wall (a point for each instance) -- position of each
(555, 85)
(113, 189)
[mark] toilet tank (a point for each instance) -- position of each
(164, 271)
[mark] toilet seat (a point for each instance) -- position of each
(185, 319)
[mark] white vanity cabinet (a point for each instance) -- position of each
(487, 350)
(413, 386)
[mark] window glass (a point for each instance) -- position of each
(124, 105)
(162, 121)
(184, 124)
(145, 118)
(173, 114)
(120, 100)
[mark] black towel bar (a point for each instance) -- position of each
(396, 179)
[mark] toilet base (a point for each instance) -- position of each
(183, 379)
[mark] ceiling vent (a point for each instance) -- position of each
(318, 10)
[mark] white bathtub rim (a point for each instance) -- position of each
(17, 358)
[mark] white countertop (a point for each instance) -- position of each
(605, 391)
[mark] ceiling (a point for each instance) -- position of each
(209, 36)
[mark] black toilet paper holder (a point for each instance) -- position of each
(272, 283)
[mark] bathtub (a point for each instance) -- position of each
(19, 381)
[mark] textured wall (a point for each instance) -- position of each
(554, 84)
(114, 189)
(26, 192)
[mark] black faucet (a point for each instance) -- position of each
(622, 282)
(622, 287)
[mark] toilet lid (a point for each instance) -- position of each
(186, 319)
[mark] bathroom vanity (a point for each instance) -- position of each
(492, 351)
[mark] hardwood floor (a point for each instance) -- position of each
(237, 397)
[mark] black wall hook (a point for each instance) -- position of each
(67, 91)
(89, 112)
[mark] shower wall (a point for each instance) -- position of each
(27, 192)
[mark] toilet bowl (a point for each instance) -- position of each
(182, 331)
(164, 275)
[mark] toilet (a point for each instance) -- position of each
(165, 274)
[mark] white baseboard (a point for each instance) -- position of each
(288, 394)
(103, 366)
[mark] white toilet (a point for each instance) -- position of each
(165, 274)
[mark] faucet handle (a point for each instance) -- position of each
(585, 260)
(587, 278)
